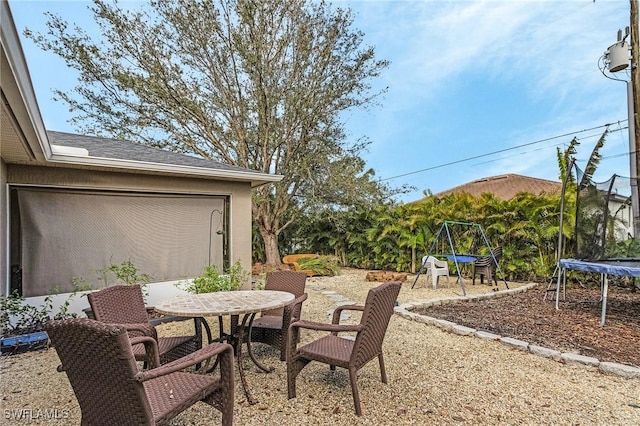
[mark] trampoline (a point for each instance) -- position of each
(629, 267)
(603, 230)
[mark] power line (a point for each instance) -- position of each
(500, 151)
(595, 135)
(606, 157)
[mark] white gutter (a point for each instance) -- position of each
(77, 158)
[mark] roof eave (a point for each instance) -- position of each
(257, 179)
(19, 88)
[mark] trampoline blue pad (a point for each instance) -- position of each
(461, 258)
(625, 267)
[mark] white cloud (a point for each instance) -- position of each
(466, 78)
(432, 43)
(542, 54)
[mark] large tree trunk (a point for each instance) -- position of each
(271, 247)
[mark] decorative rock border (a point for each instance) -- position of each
(405, 311)
(383, 276)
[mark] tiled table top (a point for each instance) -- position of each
(225, 303)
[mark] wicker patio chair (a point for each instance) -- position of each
(344, 352)
(103, 373)
(486, 266)
(124, 305)
(272, 327)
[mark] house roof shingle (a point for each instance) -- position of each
(125, 150)
(506, 186)
(146, 157)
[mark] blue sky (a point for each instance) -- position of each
(467, 79)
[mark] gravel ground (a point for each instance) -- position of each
(434, 378)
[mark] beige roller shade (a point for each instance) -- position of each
(73, 233)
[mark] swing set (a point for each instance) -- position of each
(462, 245)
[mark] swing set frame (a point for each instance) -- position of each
(458, 258)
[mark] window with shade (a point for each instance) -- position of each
(57, 235)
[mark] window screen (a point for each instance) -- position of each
(73, 233)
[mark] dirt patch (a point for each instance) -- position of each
(575, 327)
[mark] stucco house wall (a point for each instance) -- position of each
(237, 196)
(3, 225)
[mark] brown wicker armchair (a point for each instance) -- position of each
(272, 327)
(102, 370)
(486, 267)
(124, 305)
(343, 352)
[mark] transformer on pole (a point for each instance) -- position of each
(618, 57)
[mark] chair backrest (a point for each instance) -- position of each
(378, 309)
(488, 260)
(100, 365)
(434, 262)
(291, 281)
(427, 262)
(121, 304)
(497, 253)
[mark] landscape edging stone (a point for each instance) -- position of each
(404, 311)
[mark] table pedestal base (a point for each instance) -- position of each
(239, 332)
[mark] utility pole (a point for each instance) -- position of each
(634, 107)
(617, 58)
(635, 71)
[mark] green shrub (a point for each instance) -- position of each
(18, 317)
(126, 273)
(323, 265)
(211, 280)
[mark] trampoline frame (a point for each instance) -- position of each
(629, 267)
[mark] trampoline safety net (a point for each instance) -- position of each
(604, 218)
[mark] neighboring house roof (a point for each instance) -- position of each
(506, 186)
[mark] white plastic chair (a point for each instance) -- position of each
(435, 268)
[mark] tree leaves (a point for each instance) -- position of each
(260, 85)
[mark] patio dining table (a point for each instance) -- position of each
(234, 303)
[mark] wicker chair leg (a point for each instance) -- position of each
(280, 343)
(228, 395)
(353, 377)
(291, 387)
(293, 368)
(223, 398)
(383, 371)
